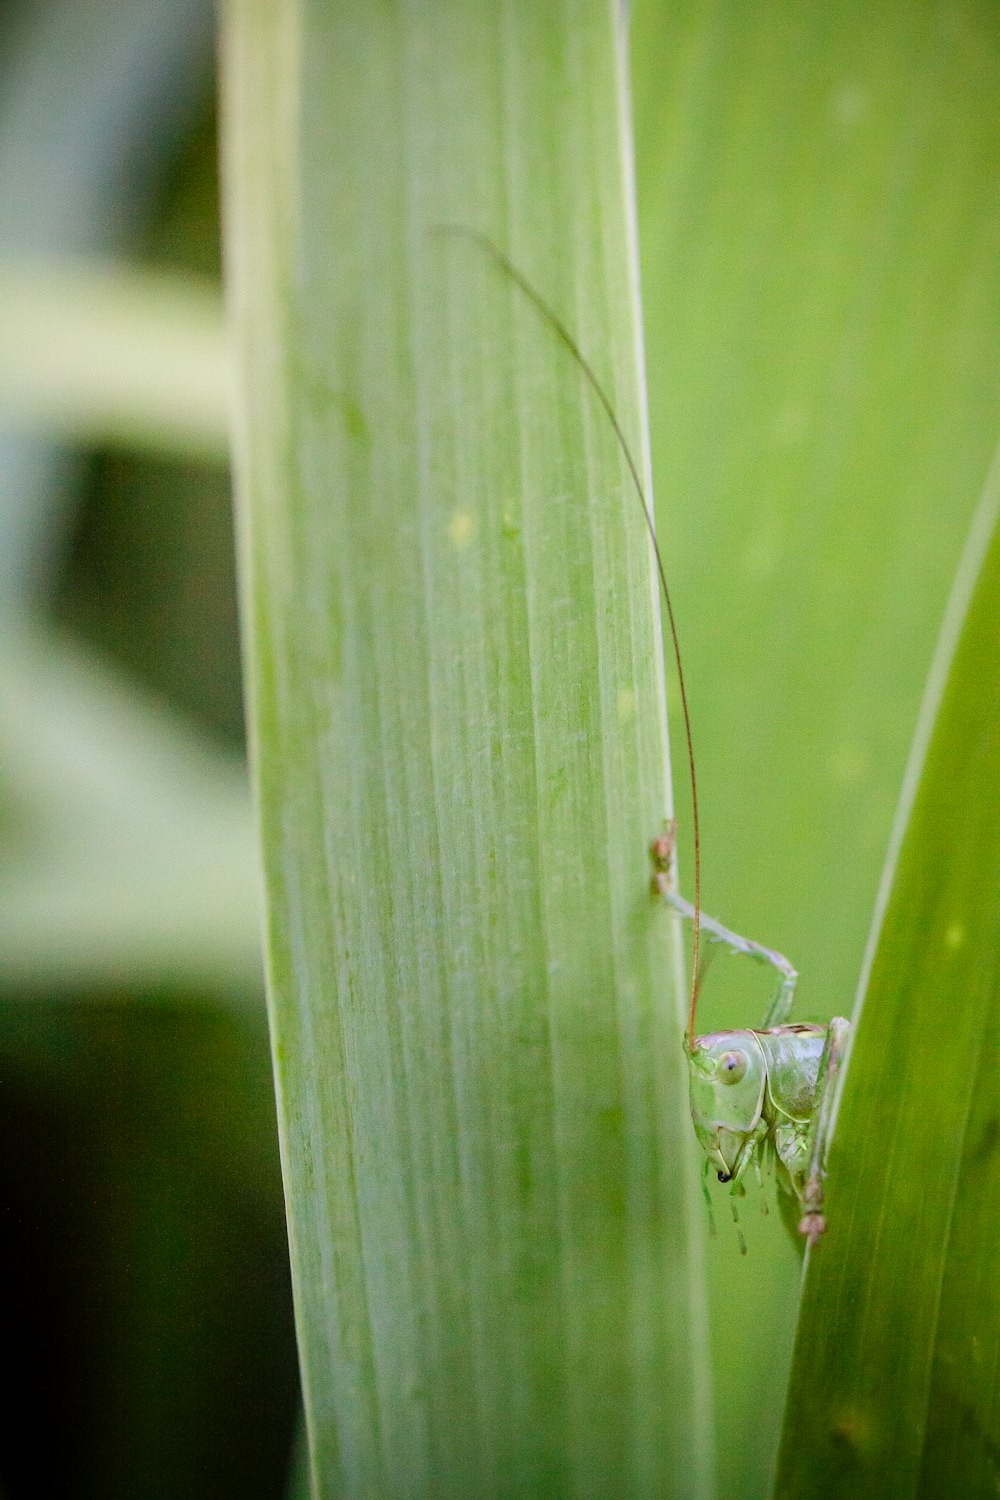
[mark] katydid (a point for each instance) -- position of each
(754, 1092)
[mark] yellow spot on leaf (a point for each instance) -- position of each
(626, 704)
(954, 936)
(461, 528)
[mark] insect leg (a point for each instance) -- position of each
(708, 1196)
(760, 1183)
(813, 1222)
(748, 1153)
(780, 1007)
(739, 1232)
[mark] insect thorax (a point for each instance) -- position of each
(792, 1055)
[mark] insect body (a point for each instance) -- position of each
(753, 1092)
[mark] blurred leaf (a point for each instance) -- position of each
(893, 1389)
(127, 852)
(150, 584)
(143, 1222)
(455, 694)
(116, 356)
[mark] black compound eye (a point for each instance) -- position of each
(725, 1176)
(732, 1067)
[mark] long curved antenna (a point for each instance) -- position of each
(569, 342)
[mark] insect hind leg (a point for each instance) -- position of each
(781, 1006)
(662, 853)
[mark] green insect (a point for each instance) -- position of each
(759, 1092)
(755, 1093)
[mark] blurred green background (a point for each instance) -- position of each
(820, 228)
(149, 1341)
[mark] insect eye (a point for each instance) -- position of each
(732, 1067)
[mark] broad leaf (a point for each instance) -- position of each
(893, 1390)
(456, 707)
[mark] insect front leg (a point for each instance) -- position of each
(746, 1154)
(749, 1152)
(708, 1196)
(813, 1221)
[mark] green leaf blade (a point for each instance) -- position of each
(892, 1390)
(456, 702)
